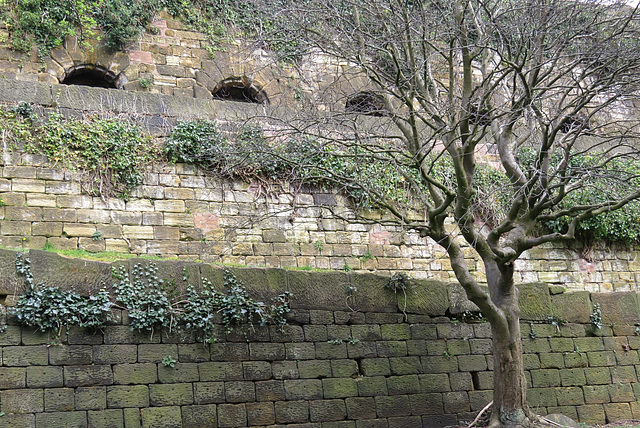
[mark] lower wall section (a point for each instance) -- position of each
(324, 369)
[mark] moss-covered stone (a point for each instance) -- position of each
(534, 301)
(162, 417)
(339, 387)
(111, 418)
(618, 308)
(426, 297)
(128, 396)
(574, 306)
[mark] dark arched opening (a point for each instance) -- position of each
(89, 75)
(367, 103)
(240, 89)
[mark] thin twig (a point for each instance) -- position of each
(480, 414)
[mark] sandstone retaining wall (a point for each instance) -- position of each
(331, 366)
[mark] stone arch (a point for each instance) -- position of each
(366, 102)
(77, 63)
(240, 89)
(90, 75)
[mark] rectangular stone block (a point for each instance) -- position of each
(41, 200)
(75, 229)
(28, 185)
(25, 356)
(141, 373)
(170, 394)
(62, 419)
(12, 377)
(199, 416)
(59, 400)
(178, 219)
(22, 400)
(111, 418)
(180, 372)
(93, 216)
(91, 398)
(137, 232)
(67, 215)
(220, 371)
(62, 187)
(70, 355)
(128, 396)
(124, 217)
(44, 377)
(175, 206)
(74, 201)
(87, 375)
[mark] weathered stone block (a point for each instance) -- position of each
(394, 405)
(285, 370)
(289, 412)
(592, 414)
(271, 390)
(310, 369)
(22, 400)
(174, 394)
(208, 392)
(87, 375)
(435, 383)
(112, 418)
(25, 355)
(327, 410)
(199, 416)
(142, 373)
(229, 351)
(232, 415)
(59, 400)
(397, 385)
(44, 377)
(61, 419)
(343, 368)
(220, 371)
(161, 417)
(91, 398)
(69, 355)
(128, 396)
(12, 377)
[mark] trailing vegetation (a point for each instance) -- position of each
(110, 154)
(367, 177)
(46, 23)
(152, 304)
(52, 308)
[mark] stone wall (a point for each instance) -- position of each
(331, 366)
(174, 60)
(179, 212)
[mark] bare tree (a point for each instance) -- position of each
(549, 87)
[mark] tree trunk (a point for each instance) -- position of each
(509, 384)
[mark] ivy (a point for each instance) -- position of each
(52, 308)
(46, 23)
(110, 154)
(152, 303)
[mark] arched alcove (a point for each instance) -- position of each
(89, 75)
(240, 89)
(368, 103)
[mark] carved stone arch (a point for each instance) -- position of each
(90, 75)
(366, 102)
(76, 63)
(240, 89)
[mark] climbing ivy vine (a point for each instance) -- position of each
(152, 304)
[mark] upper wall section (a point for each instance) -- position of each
(177, 61)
